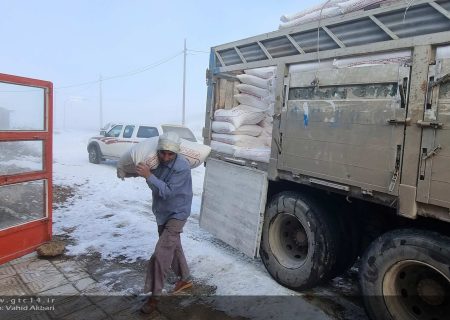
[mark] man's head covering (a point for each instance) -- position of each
(169, 141)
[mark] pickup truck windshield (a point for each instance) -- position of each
(115, 132)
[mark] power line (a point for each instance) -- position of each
(126, 74)
(122, 75)
(143, 69)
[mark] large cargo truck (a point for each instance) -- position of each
(359, 162)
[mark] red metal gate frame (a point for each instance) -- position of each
(22, 239)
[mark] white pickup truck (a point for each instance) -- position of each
(121, 137)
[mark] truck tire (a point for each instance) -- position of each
(299, 244)
(94, 154)
(405, 274)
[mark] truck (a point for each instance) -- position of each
(359, 166)
(116, 139)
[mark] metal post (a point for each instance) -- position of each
(101, 101)
(183, 120)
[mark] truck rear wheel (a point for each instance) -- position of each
(299, 244)
(405, 274)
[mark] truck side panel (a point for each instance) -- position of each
(348, 127)
(434, 176)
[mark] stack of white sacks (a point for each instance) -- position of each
(245, 131)
(328, 9)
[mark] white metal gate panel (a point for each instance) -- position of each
(234, 199)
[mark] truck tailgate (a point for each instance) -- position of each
(234, 199)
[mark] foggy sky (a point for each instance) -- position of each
(72, 42)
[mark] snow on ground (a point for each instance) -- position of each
(113, 217)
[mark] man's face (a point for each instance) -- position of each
(165, 156)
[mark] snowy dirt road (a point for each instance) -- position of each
(109, 223)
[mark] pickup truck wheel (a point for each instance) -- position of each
(405, 274)
(94, 155)
(299, 244)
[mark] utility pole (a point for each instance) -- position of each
(100, 100)
(183, 120)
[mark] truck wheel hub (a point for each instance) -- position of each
(431, 291)
(416, 290)
(288, 240)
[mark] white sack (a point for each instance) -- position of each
(125, 166)
(313, 16)
(399, 57)
(261, 154)
(239, 115)
(266, 137)
(239, 140)
(253, 101)
(265, 72)
(267, 130)
(355, 5)
(324, 5)
(253, 90)
(146, 152)
(249, 130)
(222, 127)
(311, 66)
(266, 122)
(256, 81)
(329, 9)
(195, 153)
(227, 128)
(223, 147)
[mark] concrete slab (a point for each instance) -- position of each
(40, 275)
(77, 294)
(115, 305)
(24, 315)
(64, 290)
(90, 287)
(84, 284)
(97, 290)
(40, 281)
(33, 265)
(93, 313)
(72, 270)
(13, 286)
(137, 315)
(7, 271)
(69, 305)
(60, 260)
(96, 299)
(30, 256)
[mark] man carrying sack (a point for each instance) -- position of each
(171, 185)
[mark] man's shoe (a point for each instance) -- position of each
(149, 306)
(181, 285)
